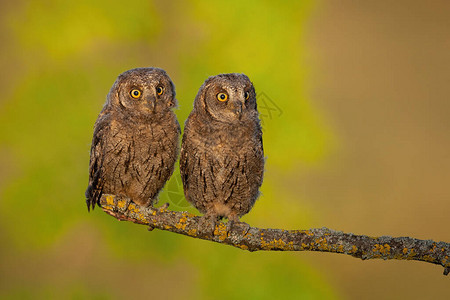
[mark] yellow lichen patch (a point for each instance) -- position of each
(111, 205)
(398, 256)
(411, 254)
(121, 204)
(167, 227)
(340, 248)
(382, 249)
(290, 245)
(322, 244)
(264, 244)
(187, 215)
(308, 233)
(133, 208)
(163, 210)
(243, 247)
(221, 231)
(276, 244)
(181, 226)
(142, 218)
(181, 223)
(376, 250)
(405, 250)
(192, 232)
(354, 249)
(110, 200)
(428, 258)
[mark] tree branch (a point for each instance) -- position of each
(254, 239)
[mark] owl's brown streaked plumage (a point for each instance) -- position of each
(135, 143)
(222, 157)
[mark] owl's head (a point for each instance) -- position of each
(227, 98)
(143, 91)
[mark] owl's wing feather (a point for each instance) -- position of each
(95, 187)
(191, 170)
(184, 164)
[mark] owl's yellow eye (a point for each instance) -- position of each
(135, 93)
(246, 95)
(160, 90)
(222, 97)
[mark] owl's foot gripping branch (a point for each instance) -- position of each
(254, 239)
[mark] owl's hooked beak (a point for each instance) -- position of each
(237, 108)
(151, 103)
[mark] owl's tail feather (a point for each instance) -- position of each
(92, 197)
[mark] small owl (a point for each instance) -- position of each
(222, 157)
(135, 143)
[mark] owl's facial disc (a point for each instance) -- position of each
(225, 103)
(144, 91)
(228, 98)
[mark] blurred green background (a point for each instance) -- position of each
(354, 102)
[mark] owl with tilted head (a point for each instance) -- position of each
(136, 136)
(222, 157)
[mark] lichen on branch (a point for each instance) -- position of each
(256, 239)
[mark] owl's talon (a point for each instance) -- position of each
(237, 226)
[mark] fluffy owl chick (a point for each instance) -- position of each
(135, 143)
(222, 158)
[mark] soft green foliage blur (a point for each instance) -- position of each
(59, 60)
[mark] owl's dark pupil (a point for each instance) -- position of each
(136, 93)
(159, 90)
(222, 96)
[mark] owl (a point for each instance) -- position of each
(136, 138)
(222, 157)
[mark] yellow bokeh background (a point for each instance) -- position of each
(354, 103)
